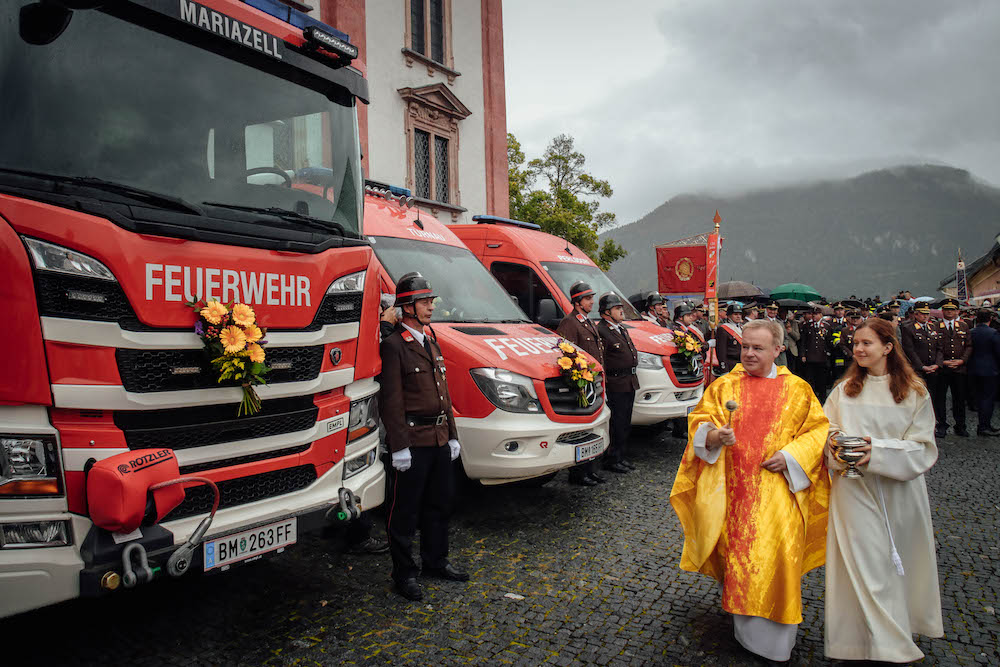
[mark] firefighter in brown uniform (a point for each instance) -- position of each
(954, 350)
(656, 310)
(620, 362)
(920, 341)
(578, 329)
(421, 434)
(729, 340)
(814, 352)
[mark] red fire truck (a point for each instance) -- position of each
(153, 152)
(539, 268)
(516, 417)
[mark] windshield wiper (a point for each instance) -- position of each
(148, 196)
(286, 214)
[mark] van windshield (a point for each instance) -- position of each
(466, 291)
(566, 274)
(114, 101)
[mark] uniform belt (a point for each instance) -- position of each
(424, 420)
(619, 372)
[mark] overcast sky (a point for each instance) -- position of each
(672, 96)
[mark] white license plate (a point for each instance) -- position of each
(225, 551)
(589, 451)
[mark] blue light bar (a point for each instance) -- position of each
(496, 220)
(283, 12)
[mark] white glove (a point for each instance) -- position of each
(711, 342)
(455, 448)
(401, 460)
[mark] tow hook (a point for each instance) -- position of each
(180, 560)
(143, 574)
(347, 509)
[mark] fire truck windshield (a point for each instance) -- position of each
(114, 101)
(566, 274)
(466, 290)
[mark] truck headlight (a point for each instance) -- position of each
(355, 465)
(34, 534)
(363, 419)
(649, 361)
(51, 257)
(506, 390)
(29, 466)
(352, 282)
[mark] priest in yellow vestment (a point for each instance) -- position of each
(752, 493)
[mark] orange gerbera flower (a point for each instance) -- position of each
(233, 339)
(213, 312)
(567, 348)
(243, 315)
(256, 353)
(565, 362)
(588, 376)
(252, 332)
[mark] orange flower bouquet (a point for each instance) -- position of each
(688, 345)
(235, 345)
(576, 370)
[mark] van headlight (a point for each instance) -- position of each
(506, 390)
(352, 282)
(363, 419)
(649, 361)
(29, 466)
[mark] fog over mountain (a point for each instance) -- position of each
(876, 233)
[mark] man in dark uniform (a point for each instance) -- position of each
(814, 352)
(702, 323)
(983, 369)
(578, 329)
(920, 341)
(620, 361)
(840, 354)
(421, 434)
(683, 319)
(954, 350)
(656, 310)
(771, 315)
(729, 340)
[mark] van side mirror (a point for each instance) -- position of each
(547, 315)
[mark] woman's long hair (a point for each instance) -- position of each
(901, 376)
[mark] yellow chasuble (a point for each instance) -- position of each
(742, 524)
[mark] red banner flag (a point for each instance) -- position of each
(681, 270)
(712, 265)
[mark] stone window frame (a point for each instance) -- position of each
(411, 56)
(436, 110)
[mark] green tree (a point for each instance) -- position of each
(567, 207)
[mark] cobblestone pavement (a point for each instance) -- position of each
(593, 573)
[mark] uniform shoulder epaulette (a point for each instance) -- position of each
(581, 317)
(407, 336)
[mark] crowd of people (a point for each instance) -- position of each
(760, 492)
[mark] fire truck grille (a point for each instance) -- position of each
(240, 460)
(144, 371)
(81, 298)
(683, 371)
(243, 490)
(184, 428)
(565, 401)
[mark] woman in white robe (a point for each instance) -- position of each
(881, 570)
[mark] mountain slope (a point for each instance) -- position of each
(877, 233)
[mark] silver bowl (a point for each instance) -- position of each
(845, 449)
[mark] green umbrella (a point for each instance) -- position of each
(795, 291)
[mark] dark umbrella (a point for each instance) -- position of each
(737, 289)
(794, 304)
(852, 303)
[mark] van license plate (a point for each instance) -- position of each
(589, 451)
(225, 551)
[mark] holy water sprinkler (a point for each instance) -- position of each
(731, 405)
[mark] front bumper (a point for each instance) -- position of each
(657, 400)
(539, 452)
(33, 578)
